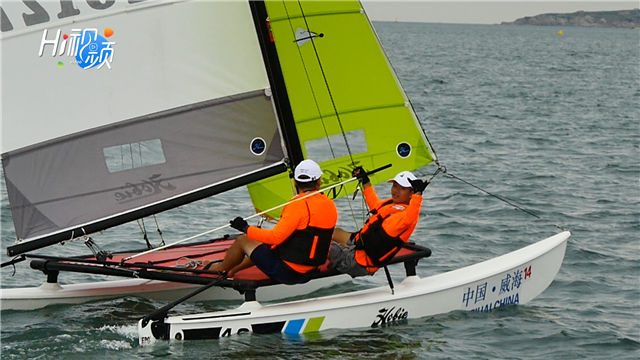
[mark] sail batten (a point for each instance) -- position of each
(353, 110)
(310, 14)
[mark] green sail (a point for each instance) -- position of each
(349, 107)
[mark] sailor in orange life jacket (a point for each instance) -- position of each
(291, 251)
(391, 223)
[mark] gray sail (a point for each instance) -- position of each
(107, 172)
(180, 110)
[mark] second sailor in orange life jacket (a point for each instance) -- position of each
(291, 251)
(391, 224)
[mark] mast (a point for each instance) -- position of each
(276, 79)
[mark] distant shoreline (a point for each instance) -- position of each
(626, 19)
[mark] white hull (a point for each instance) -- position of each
(53, 293)
(513, 278)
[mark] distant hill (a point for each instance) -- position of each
(628, 19)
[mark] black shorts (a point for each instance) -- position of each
(267, 261)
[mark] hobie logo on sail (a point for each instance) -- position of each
(258, 146)
(403, 150)
(87, 47)
(146, 188)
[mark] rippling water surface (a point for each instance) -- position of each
(550, 123)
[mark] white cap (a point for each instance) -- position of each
(403, 179)
(307, 171)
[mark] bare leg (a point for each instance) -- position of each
(246, 263)
(341, 237)
(236, 254)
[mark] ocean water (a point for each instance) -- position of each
(550, 123)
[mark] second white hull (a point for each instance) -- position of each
(52, 293)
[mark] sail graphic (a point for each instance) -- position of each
(344, 95)
(183, 112)
(303, 36)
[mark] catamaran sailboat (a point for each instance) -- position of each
(190, 102)
(192, 99)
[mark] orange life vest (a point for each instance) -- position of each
(308, 246)
(374, 246)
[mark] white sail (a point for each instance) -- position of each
(177, 107)
(166, 55)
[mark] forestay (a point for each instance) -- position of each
(180, 111)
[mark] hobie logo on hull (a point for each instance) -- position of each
(146, 188)
(386, 316)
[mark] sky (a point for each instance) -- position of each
(480, 12)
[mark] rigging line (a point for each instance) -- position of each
(252, 216)
(13, 261)
(407, 97)
(324, 76)
(501, 199)
(441, 169)
(159, 231)
(313, 94)
(363, 206)
(78, 263)
(423, 132)
(190, 263)
(353, 214)
(143, 229)
(99, 253)
(336, 192)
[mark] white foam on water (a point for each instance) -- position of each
(128, 331)
(78, 348)
(115, 344)
(62, 338)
